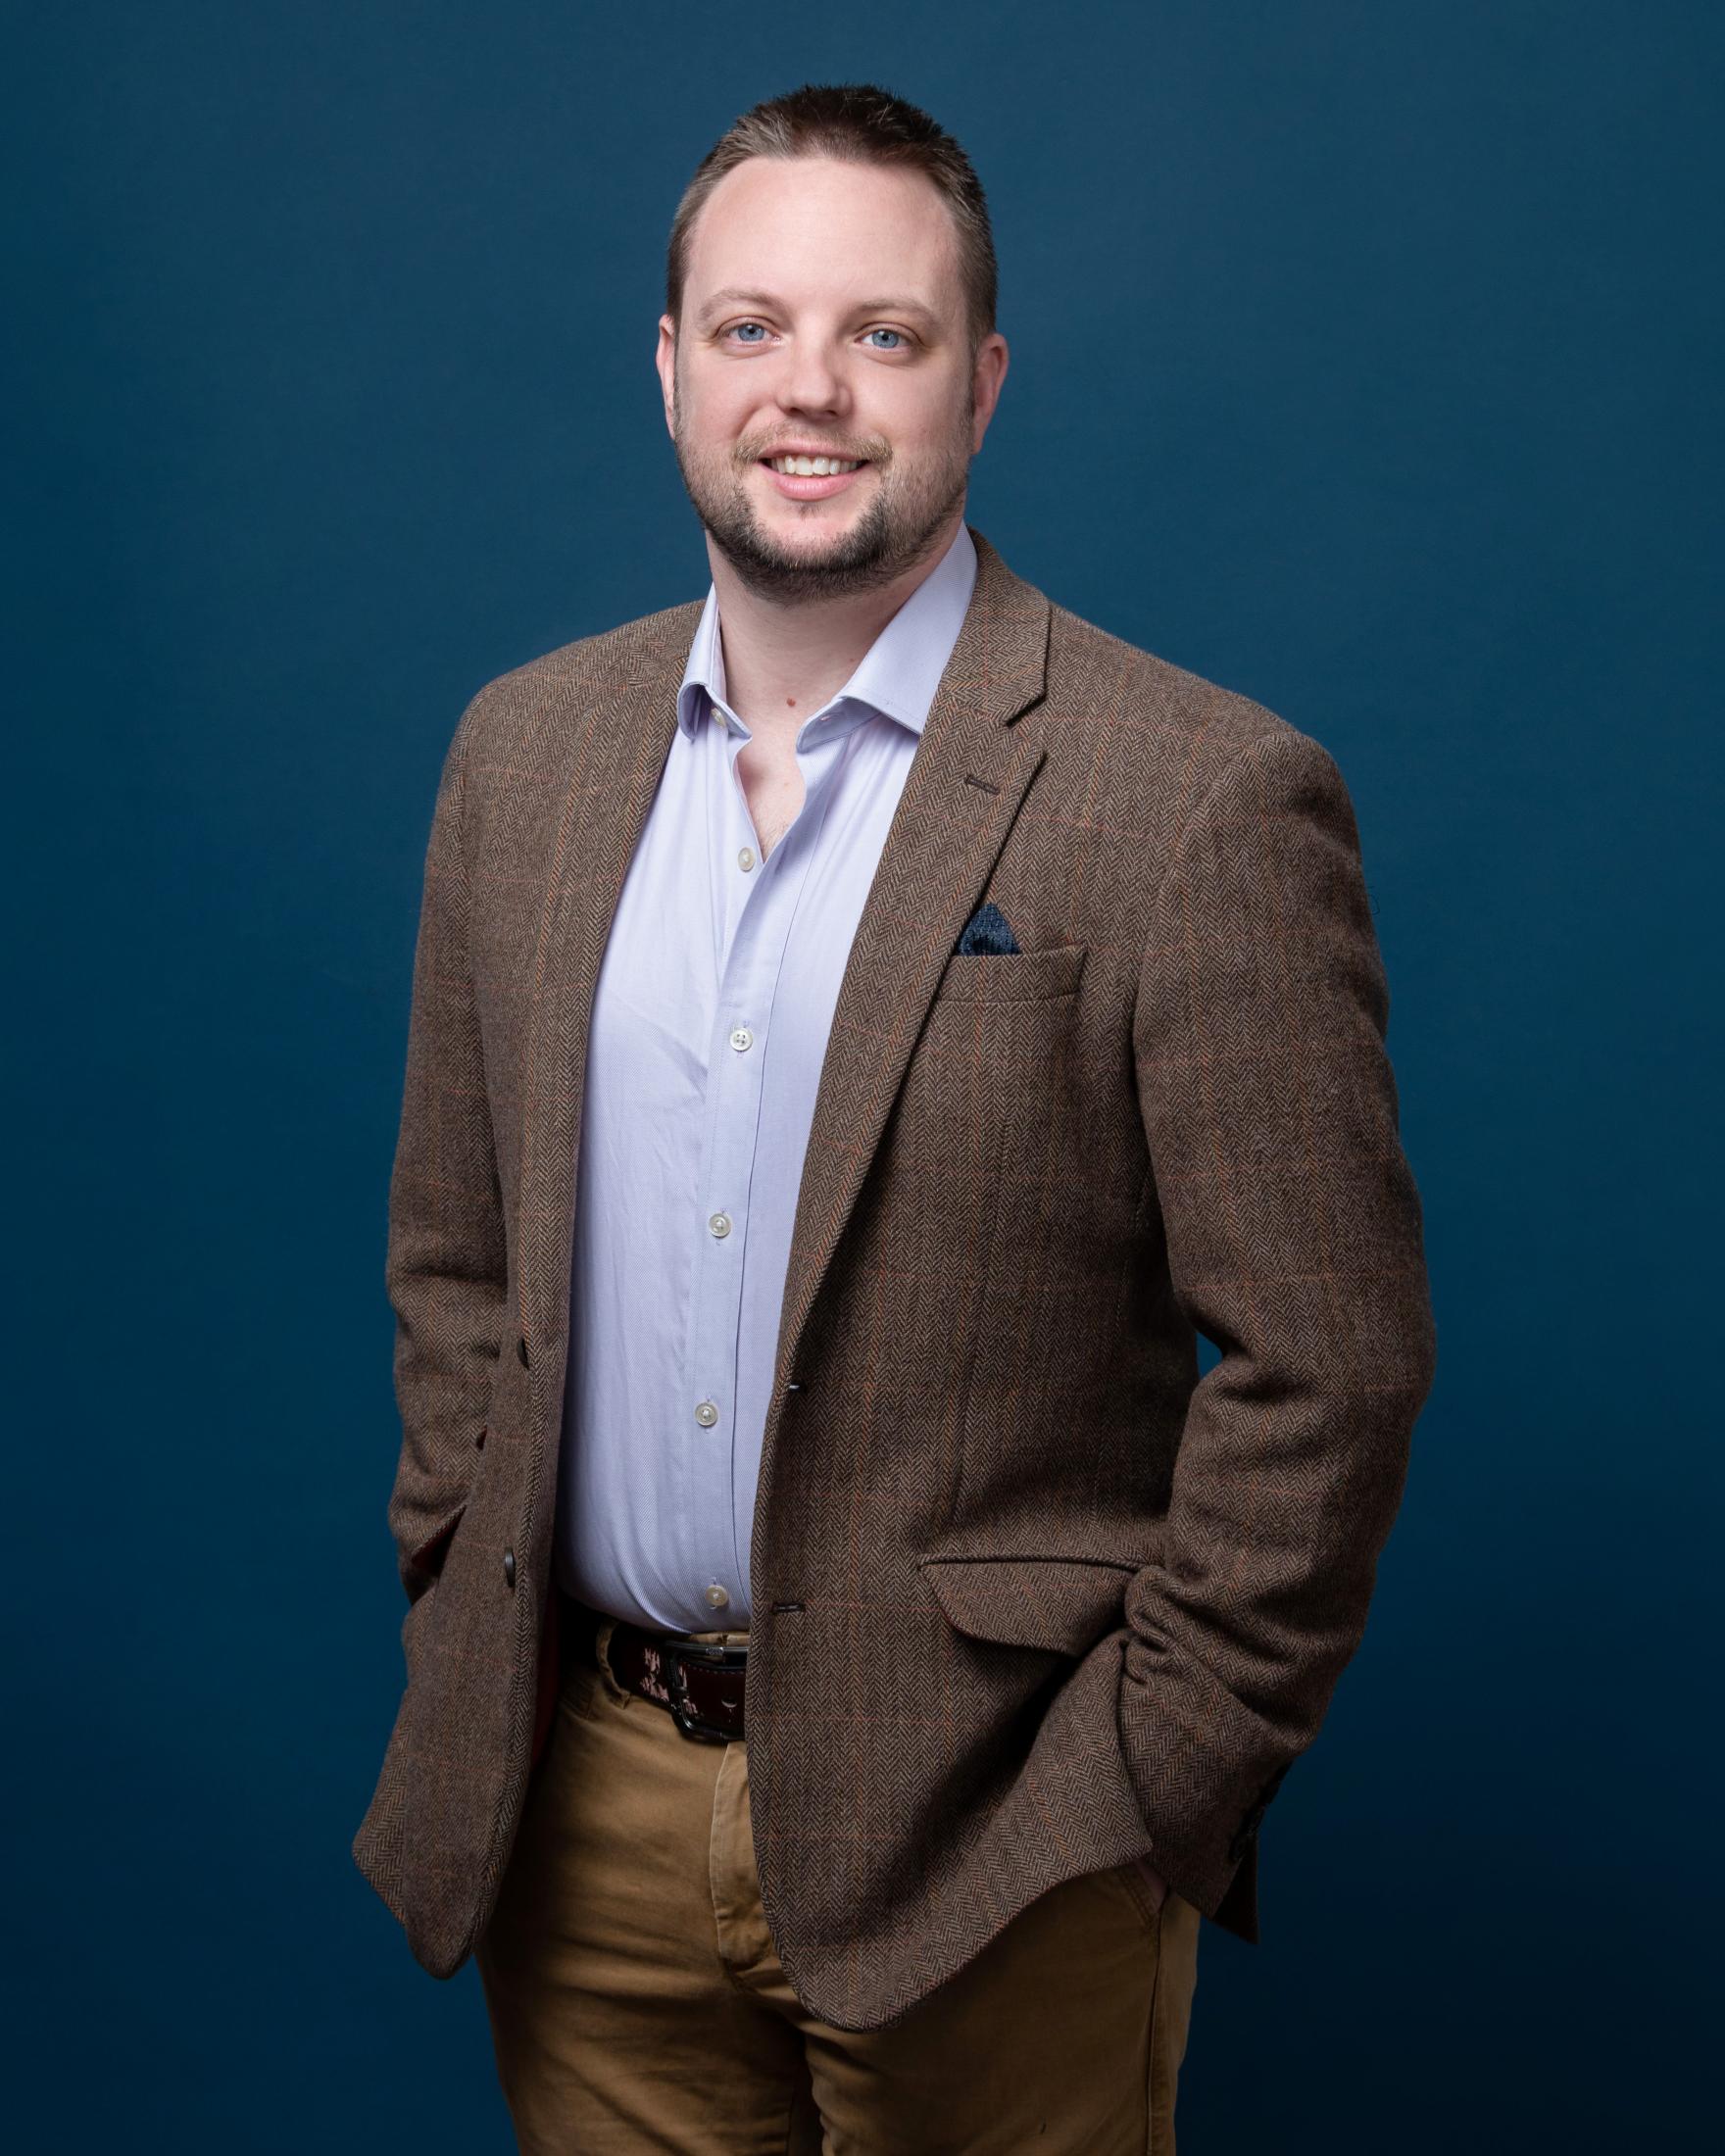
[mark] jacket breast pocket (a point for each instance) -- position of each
(994, 1051)
(980, 1099)
(1010, 977)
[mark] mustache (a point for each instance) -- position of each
(845, 456)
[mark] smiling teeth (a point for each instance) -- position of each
(812, 467)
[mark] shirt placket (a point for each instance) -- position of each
(754, 906)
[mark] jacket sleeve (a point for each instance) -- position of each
(445, 1270)
(1293, 1243)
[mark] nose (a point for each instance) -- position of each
(811, 382)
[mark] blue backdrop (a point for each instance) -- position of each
(1366, 360)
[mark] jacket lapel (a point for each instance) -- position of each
(611, 744)
(962, 791)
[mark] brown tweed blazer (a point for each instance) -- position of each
(1029, 1598)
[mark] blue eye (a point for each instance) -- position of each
(748, 325)
(898, 333)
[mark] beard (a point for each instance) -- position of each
(897, 530)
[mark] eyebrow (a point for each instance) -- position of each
(735, 295)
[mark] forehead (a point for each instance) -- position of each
(818, 229)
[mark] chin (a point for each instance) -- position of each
(807, 528)
(805, 534)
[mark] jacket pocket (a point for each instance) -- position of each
(1064, 1604)
(1012, 976)
(425, 1563)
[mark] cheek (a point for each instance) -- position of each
(716, 408)
(928, 424)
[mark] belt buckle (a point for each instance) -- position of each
(682, 1713)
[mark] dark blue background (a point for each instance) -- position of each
(1364, 359)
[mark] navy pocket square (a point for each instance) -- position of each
(987, 934)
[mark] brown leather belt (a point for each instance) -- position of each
(699, 1682)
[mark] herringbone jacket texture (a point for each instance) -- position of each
(1028, 1596)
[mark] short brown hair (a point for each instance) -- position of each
(863, 124)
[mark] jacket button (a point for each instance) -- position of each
(522, 1350)
(509, 1566)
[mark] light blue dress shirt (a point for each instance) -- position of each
(710, 1027)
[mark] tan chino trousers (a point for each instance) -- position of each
(637, 2004)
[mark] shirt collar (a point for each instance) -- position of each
(899, 673)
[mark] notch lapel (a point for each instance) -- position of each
(966, 782)
(613, 738)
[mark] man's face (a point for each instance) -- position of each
(823, 313)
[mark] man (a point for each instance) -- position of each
(864, 1027)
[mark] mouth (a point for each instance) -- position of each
(825, 475)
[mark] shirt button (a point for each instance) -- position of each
(742, 1038)
(717, 1595)
(721, 1224)
(707, 1415)
(746, 859)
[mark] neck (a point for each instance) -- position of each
(783, 662)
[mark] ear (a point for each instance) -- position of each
(664, 358)
(985, 382)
